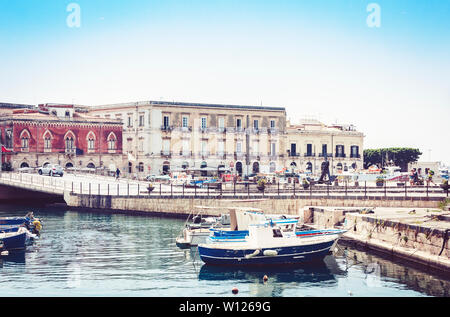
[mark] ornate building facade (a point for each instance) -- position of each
(161, 137)
(59, 134)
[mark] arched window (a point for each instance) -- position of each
(112, 142)
(47, 141)
(69, 165)
(25, 140)
(91, 141)
(309, 167)
(255, 168)
(24, 165)
(69, 140)
(91, 165)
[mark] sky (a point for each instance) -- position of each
(385, 69)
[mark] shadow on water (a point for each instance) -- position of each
(17, 257)
(313, 272)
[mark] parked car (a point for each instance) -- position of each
(51, 170)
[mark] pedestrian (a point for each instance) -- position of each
(430, 177)
(117, 173)
(411, 178)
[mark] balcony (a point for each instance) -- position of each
(310, 154)
(294, 154)
(340, 155)
(355, 156)
(326, 154)
(166, 154)
(166, 128)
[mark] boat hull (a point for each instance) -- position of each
(284, 255)
(14, 241)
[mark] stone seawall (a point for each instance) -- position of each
(420, 236)
(168, 205)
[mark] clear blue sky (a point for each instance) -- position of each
(316, 58)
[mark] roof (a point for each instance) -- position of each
(186, 104)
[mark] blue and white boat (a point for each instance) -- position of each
(268, 244)
(14, 240)
(32, 224)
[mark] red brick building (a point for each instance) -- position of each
(59, 134)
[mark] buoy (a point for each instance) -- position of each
(270, 253)
(235, 290)
(265, 278)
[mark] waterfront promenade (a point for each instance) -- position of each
(88, 184)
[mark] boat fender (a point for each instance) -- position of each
(4, 253)
(270, 253)
(249, 256)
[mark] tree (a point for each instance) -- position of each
(399, 156)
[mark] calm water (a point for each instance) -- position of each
(89, 254)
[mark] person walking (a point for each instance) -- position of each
(430, 177)
(117, 173)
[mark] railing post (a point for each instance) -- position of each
(221, 189)
(171, 190)
(427, 189)
(365, 189)
(81, 188)
(139, 191)
(108, 189)
(278, 187)
(160, 190)
(72, 187)
(294, 187)
(328, 190)
(89, 188)
(385, 191)
(406, 185)
(99, 189)
(345, 187)
(310, 190)
(128, 189)
(248, 189)
(183, 190)
(118, 189)
(207, 189)
(195, 190)
(234, 188)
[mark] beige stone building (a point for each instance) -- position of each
(310, 142)
(161, 137)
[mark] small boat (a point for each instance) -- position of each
(14, 240)
(268, 244)
(32, 224)
(198, 230)
(30, 237)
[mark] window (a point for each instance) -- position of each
(293, 149)
(130, 121)
(91, 141)
(309, 150)
(273, 151)
(69, 143)
(185, 147)
(47, 142)
(354, 151)
(141, 120)
(25, 140)
(239, 147)
(221, 123)
(272, 124)
(184, 122)
(166, 122)
(111, 142)
(204, 125)
(324, 150)
(140, 167)
(255, 124)
(238, 124)
(340, 151)
(256, 148)
(166, 147)
(221, 148)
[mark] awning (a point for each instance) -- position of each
(5, 150)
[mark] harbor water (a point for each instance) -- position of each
(102, 254)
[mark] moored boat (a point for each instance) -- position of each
(14, 240)
(268, 244)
